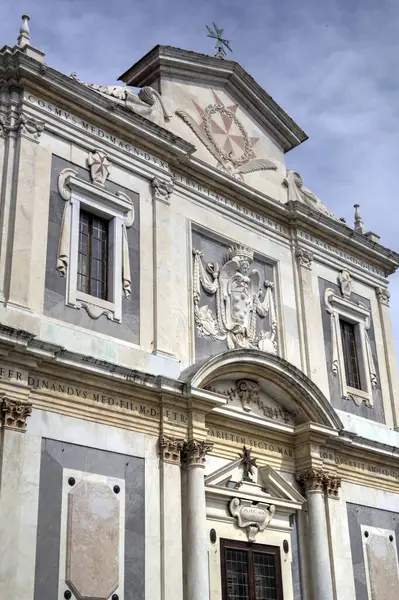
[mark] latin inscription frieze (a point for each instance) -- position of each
(361, 466)
(340, 253)
(96, 131)
(61, 388)
(222, 200)
(264, 445)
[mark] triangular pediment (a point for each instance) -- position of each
(265, 485)
(218, 107)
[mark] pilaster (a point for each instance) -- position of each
(319, 485)
(383, 297)
(194, 455)
(163, 246)
(171, 523)
(14, 489)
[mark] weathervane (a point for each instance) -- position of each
(216, 34)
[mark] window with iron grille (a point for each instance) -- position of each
(92, 255)
(351, 361)
(250, 572)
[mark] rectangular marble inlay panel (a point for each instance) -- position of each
(379, 546)
(119, 534)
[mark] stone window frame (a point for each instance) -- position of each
(360, 316)
(118, 210)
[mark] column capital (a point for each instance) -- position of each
(313, 480)
(304, 258)
(161, 190)
(317, 480)
(332, 485)
(195, 451)
(170, 449)
(383, 295)
(14, 414)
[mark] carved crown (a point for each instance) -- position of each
(239, 251)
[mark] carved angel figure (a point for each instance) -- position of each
(240, 297)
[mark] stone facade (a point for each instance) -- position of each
(203, 403)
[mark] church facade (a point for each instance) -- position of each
(198, 373)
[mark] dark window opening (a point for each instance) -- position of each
(351, 361)
(250, 572)
(92, 255)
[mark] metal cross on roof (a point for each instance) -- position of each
(221, 43)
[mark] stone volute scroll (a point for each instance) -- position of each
(241, 297)
(253, 518)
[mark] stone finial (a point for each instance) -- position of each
(170, 449)
(359, 224)
(24, 33)
(194, 452)
(15, 413)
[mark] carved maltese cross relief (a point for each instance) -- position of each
(224, 136)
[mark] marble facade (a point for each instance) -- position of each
(202, 404)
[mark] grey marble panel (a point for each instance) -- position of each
(59, 455)
(216, 249)
(373, 517)
(375, 413)
(54, 297)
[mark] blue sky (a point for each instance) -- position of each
(332, 65)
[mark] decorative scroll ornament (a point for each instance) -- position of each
(370, 360)
(250, 517)
(297, 192)
(99, 166)
(224, 136)
(346, 283)
(15, 413)
(239, 299)
(148, 102)
(161, 190)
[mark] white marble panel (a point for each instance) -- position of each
(381, 563)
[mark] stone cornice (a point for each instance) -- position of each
(16, 68)
(174, 62)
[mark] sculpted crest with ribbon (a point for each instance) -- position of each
(240, 297)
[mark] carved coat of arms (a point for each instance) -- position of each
(240, 298)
